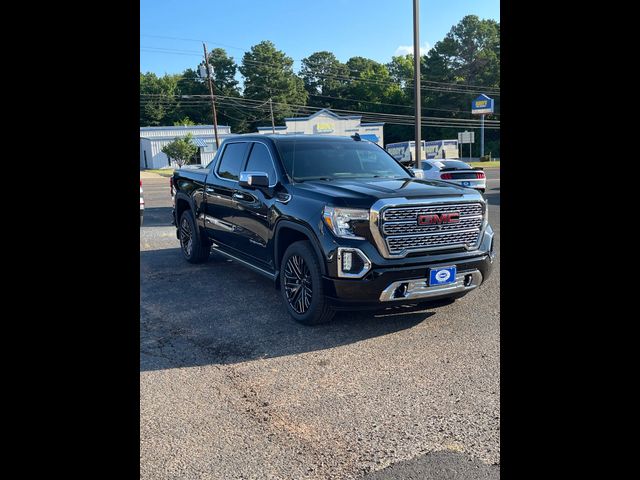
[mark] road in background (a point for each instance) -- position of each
(231, 387)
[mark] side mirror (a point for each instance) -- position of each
(253, 179)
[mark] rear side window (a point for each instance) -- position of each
(231, 162)
(260, 161)
(456, 164)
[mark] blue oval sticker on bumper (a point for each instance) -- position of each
(442, 276)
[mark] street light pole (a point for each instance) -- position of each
(416, 75)
(213, 98)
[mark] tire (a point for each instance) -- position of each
(300, 266)
(194, 248)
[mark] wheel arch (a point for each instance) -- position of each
(288, 232)
(183, 202)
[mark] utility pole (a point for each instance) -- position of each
(273, 125)
(416, 75)
(213, 98)
(482, 135)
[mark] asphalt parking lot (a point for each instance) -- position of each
(232, 388)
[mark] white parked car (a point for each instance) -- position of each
(454, 171)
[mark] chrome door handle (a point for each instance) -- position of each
(238, 196)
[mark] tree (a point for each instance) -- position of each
(157, 99)
(268, 73)
(182, 150)
(223, 72)
(184, 122)
(401, 69)
(371, 83)
(468, 55)
(324, 76)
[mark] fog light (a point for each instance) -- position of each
(347, 261)
(352, 263)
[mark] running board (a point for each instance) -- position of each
(269, 275)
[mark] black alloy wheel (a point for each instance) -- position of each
(298, 284)
(186, 237)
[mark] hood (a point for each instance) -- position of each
(362, 193)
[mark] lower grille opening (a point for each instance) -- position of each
(401, 291)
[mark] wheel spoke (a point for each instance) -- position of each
(298, 284)
(186, 239)
(295, 266)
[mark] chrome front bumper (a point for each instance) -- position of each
(415, 289)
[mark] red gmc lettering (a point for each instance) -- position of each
(438, 219)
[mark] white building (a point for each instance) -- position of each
(326, 122)
(153, 139)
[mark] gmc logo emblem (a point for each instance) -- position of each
(437, 219)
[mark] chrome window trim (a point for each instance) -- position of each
(378, 207)
(365, 260)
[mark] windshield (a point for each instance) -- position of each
(322, 159)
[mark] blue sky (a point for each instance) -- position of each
(376, 29)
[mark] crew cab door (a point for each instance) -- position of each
(254, 206)
(221, 209)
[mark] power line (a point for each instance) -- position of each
(378, 117)
(346, 99)
(254, 101)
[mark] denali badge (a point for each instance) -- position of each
(436, 219)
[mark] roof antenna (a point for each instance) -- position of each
(356, 137)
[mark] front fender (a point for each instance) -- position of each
(308, 232)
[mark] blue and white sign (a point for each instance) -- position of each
(442, 276)
(442, 149)
(482, 105)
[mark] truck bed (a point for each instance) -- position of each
(196, 174)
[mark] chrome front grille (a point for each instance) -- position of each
(411, 227)
(402, 234)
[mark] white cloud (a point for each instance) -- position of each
(408, 49)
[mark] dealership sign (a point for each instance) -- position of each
(482, 105)
(324, 128)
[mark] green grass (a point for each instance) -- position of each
(165, 172)
(486, 164)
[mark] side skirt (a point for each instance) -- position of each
(270, 275)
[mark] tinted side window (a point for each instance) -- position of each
(425, 166)
(260, 161)
(231, 162)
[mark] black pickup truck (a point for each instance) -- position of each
(335, 222)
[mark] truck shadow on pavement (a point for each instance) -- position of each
(222, 313)
(157, 217)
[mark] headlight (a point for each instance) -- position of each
(341, 221)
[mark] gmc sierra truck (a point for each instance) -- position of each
(336, 222)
